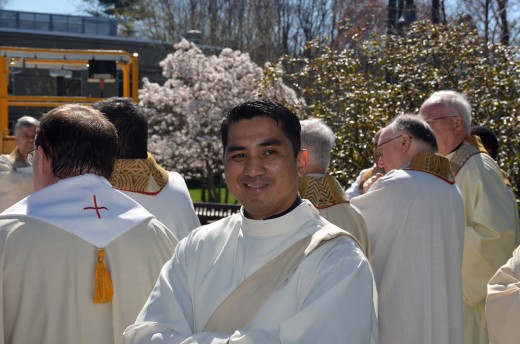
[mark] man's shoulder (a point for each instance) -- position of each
(5, 163)
(470, 149)
(214, 230)
(14, 223)
(400, 183)
(480, 163)
(330, 241)
(396, 178)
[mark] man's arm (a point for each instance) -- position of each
(491, 224)
(503, 302)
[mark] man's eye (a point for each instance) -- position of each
(270, 152)
(238, 156)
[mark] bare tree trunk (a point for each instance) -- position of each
(486, 20)
(213, 21)
(504, 23)
(443, 12)
(435, 12)
(392, 15)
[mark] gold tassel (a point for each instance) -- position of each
(103, 290)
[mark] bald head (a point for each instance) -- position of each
(400, 141)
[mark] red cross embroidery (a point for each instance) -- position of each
(96, 208)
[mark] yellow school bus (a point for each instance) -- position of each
(34, 80)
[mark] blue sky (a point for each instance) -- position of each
(46, 6)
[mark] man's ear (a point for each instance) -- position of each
(301, 160)
(406, 142)
(44, 164)
(458, 124)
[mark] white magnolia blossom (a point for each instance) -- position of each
(185, 113)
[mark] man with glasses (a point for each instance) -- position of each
(415, 221)
(77, 257)
(15, 171)
(490, 209)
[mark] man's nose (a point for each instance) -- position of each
(254, 167)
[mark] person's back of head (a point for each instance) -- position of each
(488, 138)
(418, 129)
(402, 139)
(77, 139)
(318, 139)
(284, 117)
(130, 123)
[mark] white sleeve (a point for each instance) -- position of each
(354, 190)
(503, 302)
(167, 316)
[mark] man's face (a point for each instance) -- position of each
(261, 170)
(25, 140)
(444, 123)
(390, 149)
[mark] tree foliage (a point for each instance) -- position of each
(185, 112)
(359, 90)
(127, 12)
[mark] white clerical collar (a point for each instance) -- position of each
(280, 225)
(86, 206)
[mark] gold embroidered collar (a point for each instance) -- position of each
(322, 192)
(139, 175)
(469, 147)
(434, 164)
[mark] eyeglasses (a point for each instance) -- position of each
(30, 156)
(432, 120)
(378, 148)
(384, 143)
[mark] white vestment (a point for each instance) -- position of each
(15, 183)
(491, 227)
(170, 202)
(503, 303)
(415, 222)
(354, 190)
(328, 299)
(48, 253)
(327, 195)
(172, 206)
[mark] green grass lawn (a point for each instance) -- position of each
(195, 195)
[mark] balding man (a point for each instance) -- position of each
(415, 220)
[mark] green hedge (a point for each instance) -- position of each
(359, 90)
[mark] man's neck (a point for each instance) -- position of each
(288, 210)
(458, 146)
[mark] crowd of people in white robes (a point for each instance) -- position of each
(100, 244)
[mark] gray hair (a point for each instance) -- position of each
(453, 100)
(318, 139)
(416, 128)
(25, 122)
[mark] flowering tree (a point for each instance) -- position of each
(185, 113)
